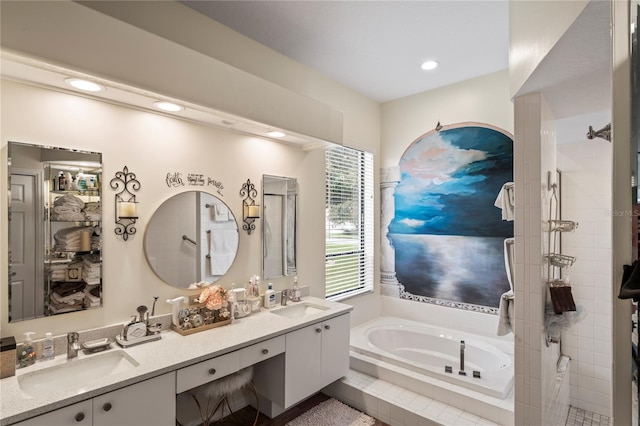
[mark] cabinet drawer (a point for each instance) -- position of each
(206, 371)
(76, 414)
(260, 351)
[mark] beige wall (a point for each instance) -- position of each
(151, 146)
(484, 99)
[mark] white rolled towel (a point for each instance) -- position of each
(506, 314)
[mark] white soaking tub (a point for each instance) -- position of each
(429, 350)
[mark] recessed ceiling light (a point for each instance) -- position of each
(275, 134)
(429, 65)
(86, 85)
(168, 106)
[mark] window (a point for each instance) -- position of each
(349, 222)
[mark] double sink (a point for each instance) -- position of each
(74, 374)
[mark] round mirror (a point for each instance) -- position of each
(191, 237)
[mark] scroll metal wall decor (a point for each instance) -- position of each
(125, 202)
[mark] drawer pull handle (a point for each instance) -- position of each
(265, 351)
(106, 406)
(327, 327)
(318, 330)
(79, 417)
(212, 371)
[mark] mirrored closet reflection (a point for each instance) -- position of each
(55, 232)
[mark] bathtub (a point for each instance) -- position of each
(427, 350)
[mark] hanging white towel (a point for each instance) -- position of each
(224, 243)
(506, 201)
(506, 315)
(220, 212)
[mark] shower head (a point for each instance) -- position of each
(604, 133)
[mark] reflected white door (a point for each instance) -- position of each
(27, 284)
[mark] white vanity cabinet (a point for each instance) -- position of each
(151, 402)
(76, 414)
(316, 356)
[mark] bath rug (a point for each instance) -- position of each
(332, 413)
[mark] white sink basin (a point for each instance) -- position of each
(299, 310)
(75, 373)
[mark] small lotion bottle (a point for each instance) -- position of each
(269, 297)
(48, 352)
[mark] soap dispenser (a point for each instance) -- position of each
(27, 352)
(295, 296)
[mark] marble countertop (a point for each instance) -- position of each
(170, 353)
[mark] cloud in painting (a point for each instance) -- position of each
(431, 165)
(412, 223)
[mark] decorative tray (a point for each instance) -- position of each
(197, 317)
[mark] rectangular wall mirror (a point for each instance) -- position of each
(55, 213)
(279, 203)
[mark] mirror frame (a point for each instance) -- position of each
(184, 248)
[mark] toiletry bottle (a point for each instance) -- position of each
(295, 297)
(47, 347)
(62, 182)
(81, 181)
(27, 352)
(256, 288)
(69, 180)
(269, 297)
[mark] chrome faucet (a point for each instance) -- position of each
(72, 345)
(462, 372)
(284, 296)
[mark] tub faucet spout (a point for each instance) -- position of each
(462, 372)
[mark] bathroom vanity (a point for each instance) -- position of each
(296, 350)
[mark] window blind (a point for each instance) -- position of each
(349, 222)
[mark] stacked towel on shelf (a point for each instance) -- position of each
(91, 268)
(67, 297)
(506, 314)
(57, 271)
(92, 211)
(70, 239)
(506, 201)
(91, 300)
(68, 208)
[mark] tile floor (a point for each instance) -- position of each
(580, 417)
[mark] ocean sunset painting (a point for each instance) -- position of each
(447, 234)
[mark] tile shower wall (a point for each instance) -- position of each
(586, 198)
(534, 155)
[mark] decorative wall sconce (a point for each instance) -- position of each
(126, 204)
(250, 210)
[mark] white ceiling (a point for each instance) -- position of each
(376, 47)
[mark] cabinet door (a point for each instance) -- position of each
(302, 363)
(335, 349)
(152, 403)
(76, 414)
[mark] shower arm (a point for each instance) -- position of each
(604, 133)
